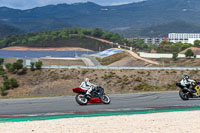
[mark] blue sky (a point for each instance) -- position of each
(27, 4)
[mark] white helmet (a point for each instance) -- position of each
(86, 80)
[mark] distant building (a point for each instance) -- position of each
(155, 41)
(150, 41)
(184, 37)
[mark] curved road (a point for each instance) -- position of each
(64, 105)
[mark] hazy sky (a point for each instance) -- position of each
(27, 4)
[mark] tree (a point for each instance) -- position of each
(82, 36)
(189, 53)
(197, 43)
(107, 36)
(175, 55)
(86, 32)
(185, 46)
(97, 32)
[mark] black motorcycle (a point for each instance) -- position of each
(185, 93)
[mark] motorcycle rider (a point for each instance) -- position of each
(86, 85)
(188, 83)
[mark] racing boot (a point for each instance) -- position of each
(88, 93)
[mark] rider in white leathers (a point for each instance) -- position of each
(86, 85)
(187, 82)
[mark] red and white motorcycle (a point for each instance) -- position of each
(97, 96)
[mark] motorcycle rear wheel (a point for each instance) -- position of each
(81, 99)
(183, 95)
(105, 99)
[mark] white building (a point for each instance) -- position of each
(150, 41)
(184, 37)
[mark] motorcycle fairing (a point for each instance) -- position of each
(79, 90)
(197, 88)
(95, 100)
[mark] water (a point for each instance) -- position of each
(38, 54)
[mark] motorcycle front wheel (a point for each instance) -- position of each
(183, 95)
(81, 99)
(105, 99)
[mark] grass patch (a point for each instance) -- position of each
(113, 58)
(84, 71)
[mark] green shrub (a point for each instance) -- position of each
(12, 69)
(8, 65)
(175, 55)
(6, 84)
(138, 79)
(5, 77)
(2, 72)
(20, 61)
(38, 65)
(189, 53)
(32, 66)
(17, 65)
(13, 83)
(145, 87)
(1, 61)
(3, 91)
(84, 71)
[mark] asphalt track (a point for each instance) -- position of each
(67, 105)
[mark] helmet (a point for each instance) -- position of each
(186, 77)
(86, 80)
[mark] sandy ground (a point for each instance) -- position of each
(46, 49)
(173, 122)
(130, 62)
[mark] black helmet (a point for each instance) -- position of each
(186, 77)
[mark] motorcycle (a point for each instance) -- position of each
(97, 96)
(186, 94)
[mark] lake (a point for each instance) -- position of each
(38, 54)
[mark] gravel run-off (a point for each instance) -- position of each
(172, 122)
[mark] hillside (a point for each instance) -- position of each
(75, 37)
(6, 30)
(90, 15)
(76, 41)
(162, 30)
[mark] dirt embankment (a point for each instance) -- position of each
(54, 82)
(182, 62)
(46, 49)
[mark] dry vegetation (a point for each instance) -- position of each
(54, 82)
(113, 58)
(183, 62)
